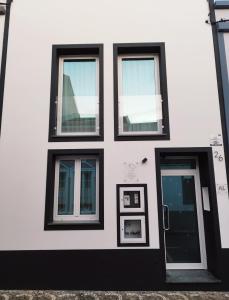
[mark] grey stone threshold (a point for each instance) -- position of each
(190, 276)
(84, 295)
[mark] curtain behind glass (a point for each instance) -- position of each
(66, 187)
(141, 106)
(79, 99)
(88, 187)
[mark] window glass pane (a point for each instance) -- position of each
(66, 187)
(140, 104)
(88, 187)
(177, 164)
(79, 99)
(182, 239)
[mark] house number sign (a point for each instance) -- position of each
(218, 156)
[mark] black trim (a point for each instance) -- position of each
(221, 4)
(49, 224)
(222, 100)
(211, 219)
(145, 214)
(4, 57)
(105, 269)
(84, 50)
(142, 48)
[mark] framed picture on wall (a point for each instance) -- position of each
(131, 199)
(132, 229)
(132, 215)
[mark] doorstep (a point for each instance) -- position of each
(190, 276)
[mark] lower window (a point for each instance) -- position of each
(74, 198)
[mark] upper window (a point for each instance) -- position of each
(77, 97)
(140, 92)
(74, 196)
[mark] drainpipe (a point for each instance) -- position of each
(4, 13)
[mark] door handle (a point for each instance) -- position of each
(166, 218)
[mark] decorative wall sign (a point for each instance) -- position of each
(132, 215)
(222, 188)
(216, 140)
(130, 171)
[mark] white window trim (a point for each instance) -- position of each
(157, 86)
(60, 93)
(76, 217)
(124, 240)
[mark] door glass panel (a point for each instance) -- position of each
(182, 236)
(178, 164)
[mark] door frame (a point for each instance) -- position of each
(211, 219)
(200, 218)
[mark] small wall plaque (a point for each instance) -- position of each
(222, 188)
(216, 140)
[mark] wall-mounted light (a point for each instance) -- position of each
(144, 160)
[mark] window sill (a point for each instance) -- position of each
(150, 137)
(83, 225)
(76, 138)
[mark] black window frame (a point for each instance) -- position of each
(72, 50)
(49, 224)
(142, 48)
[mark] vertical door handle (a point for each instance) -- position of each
(166, 218)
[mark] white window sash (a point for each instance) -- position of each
(60, 96)
(120, 104)
(76, 216)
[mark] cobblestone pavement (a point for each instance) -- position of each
(83, 295)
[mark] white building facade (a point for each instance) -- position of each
(112, 148)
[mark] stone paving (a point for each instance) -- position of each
(83, 295)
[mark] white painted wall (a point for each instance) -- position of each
(193, 108)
